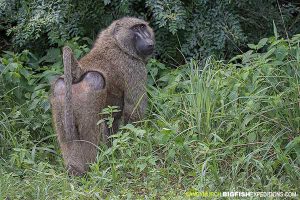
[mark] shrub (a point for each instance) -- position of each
(184, 29)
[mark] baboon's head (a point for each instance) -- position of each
(134, 36)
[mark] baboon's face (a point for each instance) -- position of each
(142, 40)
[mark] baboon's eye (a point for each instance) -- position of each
(135, 28)
(143, 26)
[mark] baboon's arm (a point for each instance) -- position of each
(135, 103)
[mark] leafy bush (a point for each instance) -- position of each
(184, 29)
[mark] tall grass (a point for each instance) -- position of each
(211, 127)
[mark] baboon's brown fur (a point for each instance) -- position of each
(112, 73)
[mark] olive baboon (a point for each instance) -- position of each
(113, 73)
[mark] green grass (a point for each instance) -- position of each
(211, 126)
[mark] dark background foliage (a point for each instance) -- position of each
(184, 29)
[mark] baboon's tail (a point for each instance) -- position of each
(69, 125)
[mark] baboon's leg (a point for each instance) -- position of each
(116, 125)
(105, 133)
(88, 96)
(68, 148)
(89, 104)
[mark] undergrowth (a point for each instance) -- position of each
(211, 126)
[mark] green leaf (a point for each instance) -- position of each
(12, 66)
(100, 121)
(247, 56)
(252, 46)
(152, 161)
(142, 166)
(25, 73)
(52, 56)
(78, 53)
(281, 52)
(275, 30)
(292, 144)
(16, 77)
(262, 43)
(269, 53)
(247, 119)
(171, 153)
(179, 140)
(251, 137)
(106, 2)
(166, 131)
(245, 75)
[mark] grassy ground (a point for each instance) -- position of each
(210, 127)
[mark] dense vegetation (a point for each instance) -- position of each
(184, 29)
(211, 125)
(215, 127)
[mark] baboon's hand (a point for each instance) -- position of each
(135, 103)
